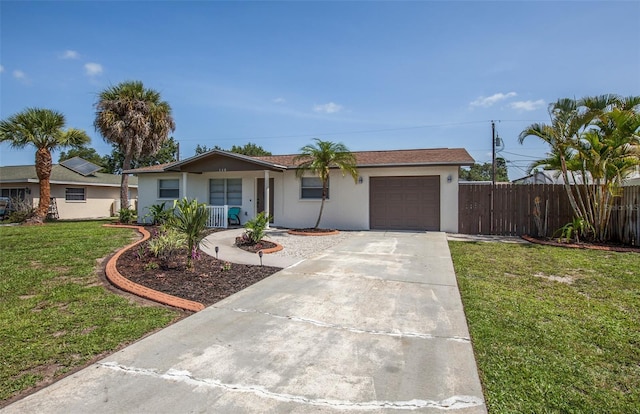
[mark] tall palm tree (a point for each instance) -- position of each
(318, 159)
(134, 119)
(41, 128)
(561, 136)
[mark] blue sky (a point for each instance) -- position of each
(372, 75)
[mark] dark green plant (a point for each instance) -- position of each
(126, 215)
(159, 214)
(256, 227)
(190, 219)
(577, 228)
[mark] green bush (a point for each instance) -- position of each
(189, 219)
(126, 215)
(159, 214)
(166, 243)
(255, 228)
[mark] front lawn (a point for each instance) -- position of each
(554, 330)
(55, 315)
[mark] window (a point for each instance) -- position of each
(14, 193)
(311, 188)
(225, 191)
(74, 194)
(169, 188)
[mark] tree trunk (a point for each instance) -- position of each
(324, 196)
(124, 183)
(43, 170)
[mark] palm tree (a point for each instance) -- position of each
(134, 119)
(41, 128)
(318, 159)
(561, 136)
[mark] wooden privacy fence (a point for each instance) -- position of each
(514, 206)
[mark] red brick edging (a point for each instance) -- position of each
(311, 233)
(125, 284)
(277, 248)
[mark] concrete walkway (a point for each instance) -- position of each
(373, 324)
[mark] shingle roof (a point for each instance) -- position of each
(60, 175)
(434, 156)
(389, 158)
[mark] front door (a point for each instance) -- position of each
(260, 197)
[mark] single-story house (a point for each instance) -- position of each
(397, 190)
(78, 189)
(575, 177)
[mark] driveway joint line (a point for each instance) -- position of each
(347, 328)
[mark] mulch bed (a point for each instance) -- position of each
(255, 248)
(591, 246)
(208, 281)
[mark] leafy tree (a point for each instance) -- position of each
(318, 159)
(41, 128)
(167, 153)
(250, 149)
(201, 149)
(84, 152)
(134, 119)
(597, 137)
(483, 172)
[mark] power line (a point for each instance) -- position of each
(359, 131)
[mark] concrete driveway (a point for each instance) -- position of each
(373, 324)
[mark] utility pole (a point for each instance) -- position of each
(493, 175)
(493, 153)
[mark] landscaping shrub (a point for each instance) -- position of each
(256, 227)
(190, 219)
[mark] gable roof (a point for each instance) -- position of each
(60, 175)
(389, 158)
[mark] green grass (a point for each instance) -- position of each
(54, 314)
(545, 346)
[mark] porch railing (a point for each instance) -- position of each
(217, 216)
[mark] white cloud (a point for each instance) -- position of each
(93, 69)
(493, 99)
(328, 108)
(279, 100)
(527, 105)
(70, 54)
(18, 74)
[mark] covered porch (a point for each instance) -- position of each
(219, 179)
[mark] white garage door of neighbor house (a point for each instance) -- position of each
(404, 203)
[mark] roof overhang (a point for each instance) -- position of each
(214, 161)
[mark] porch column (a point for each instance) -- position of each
(184, 184)
(266, 195)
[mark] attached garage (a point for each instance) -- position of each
(404, 203)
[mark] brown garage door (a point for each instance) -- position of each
(404, 203)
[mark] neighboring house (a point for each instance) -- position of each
(396, 190)
(555, 177)
(550, 177)
(79, 191)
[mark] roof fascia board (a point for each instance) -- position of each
(176, 166)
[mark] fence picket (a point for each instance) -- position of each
(513, 206)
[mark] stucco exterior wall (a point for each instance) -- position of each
(346, 209)
(348, 206)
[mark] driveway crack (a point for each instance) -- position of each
(455, 402)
